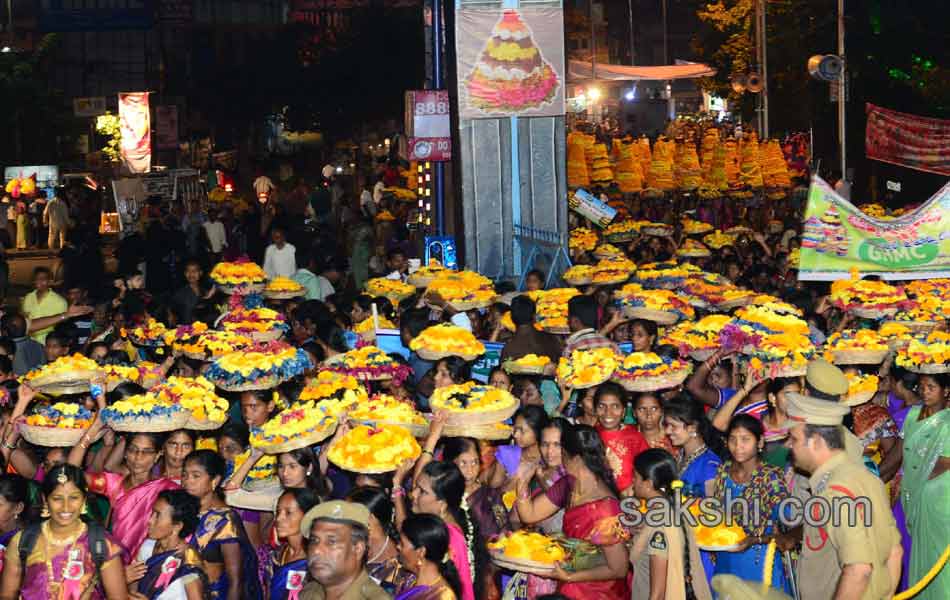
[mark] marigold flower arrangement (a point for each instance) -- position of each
(239, 272)
(61, 415)
(850, 294)
(471, 397)
(613, 270)
(270, 363)
(658, 300)
(390, 288)
(855, 339)
(926, 354)
(463, 287)
(425, 275)
(762, 319)
(794, 259)
(639, 365)
(527, 363)
(381, 449)
(666, 274)
(264, 469)
(696, 336)
(445, 339)
(184, 332)
(383, 408)
(582, 239)
(526, 545)
(65, 366)
(195, 394)
(587, 368)
(775, 305)
(625, 227)
(213, 344)
(254, 321)
(861, 387)
(283, 285)
(608, 251)
(143, 408)
(579, 274)
(551, 307)
(151, 333)
(327, 384)
(720, 536)
(718, 239)
(694, 227)
(367, 327)
(368, 363)
(304, 423)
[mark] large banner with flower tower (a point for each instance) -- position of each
(510, 62)
(839, 239)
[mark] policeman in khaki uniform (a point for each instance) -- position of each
(337, 536)
(839, 561)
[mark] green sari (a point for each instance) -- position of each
(927, 501)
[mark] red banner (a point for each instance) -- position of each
(907, 140)
(135, 124)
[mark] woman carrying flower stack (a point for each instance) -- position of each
(285, 567)
(590, 499)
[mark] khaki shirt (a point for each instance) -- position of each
(362, 588)
(827, 549)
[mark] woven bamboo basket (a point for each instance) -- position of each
(493, 432)
(267, 382)
(54, 437)
(242, 289)
(263, 500)
(265, 336)
(576, 281)
(284, 295)
(466, 419)
(462, 306)
(137, 424)
(858, 399)
(586, 385)
(420, 281)
(512, 367)
(301, 441)
(915, 326)
(859, 357)
(697, 302)
(558, 330)
(774, 370)
(71, 382)
(622, 238)
(738, 230)
(873, 313)
(651, 384)
(931, 368)
(657, 231)
(731, 304)
(431, 355)
(522, 565)
(606, 255)
(702, 355)
(614, 281)
(662, 317)
(146, 343)
(694, 253)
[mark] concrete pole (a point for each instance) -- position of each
(841, 90)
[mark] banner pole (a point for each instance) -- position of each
(437, 83)
(841, 89)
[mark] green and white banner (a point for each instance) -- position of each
(838, 238)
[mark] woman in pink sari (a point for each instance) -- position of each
(133, 492)
(588, 495)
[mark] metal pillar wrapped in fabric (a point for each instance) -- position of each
(512, 140)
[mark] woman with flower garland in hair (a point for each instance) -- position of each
(746, 476)
(227, 555)
(424, 550)
(63, 557)
(666, 561)
(285, 567)
(382, 555)
(172, 569)
(590, 500)
(439, 489)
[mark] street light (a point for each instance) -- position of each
(594, 94)
(6, 49)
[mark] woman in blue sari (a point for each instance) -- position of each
(173, 569)
(227, 556)
(692, 435)
(286, 567)
(745, 476)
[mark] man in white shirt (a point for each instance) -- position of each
(280, 258)
(217, 237)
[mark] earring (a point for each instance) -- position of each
(84, 507)
(419, 565)
(45, 512)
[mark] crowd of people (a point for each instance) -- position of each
(144, 515)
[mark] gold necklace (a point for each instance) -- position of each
(54, 586)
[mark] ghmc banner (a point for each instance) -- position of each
(837, 238)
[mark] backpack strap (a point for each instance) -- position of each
(97, 544)
(28, 539)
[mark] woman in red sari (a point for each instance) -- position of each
(592, 514)
(622, 442)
